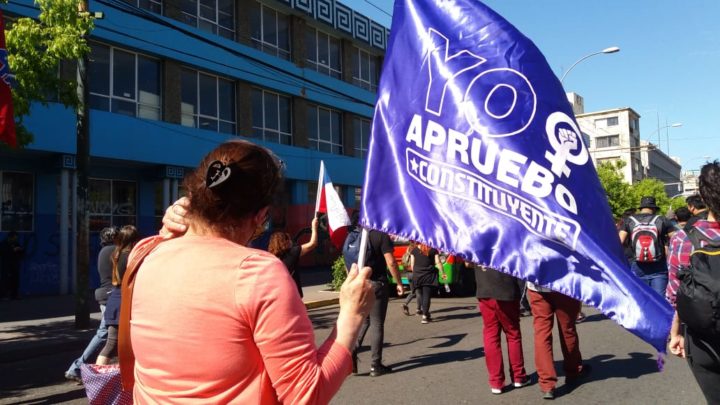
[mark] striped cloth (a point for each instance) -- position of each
(679, 253)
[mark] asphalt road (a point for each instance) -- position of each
(438, 363)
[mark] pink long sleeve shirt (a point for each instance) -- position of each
(215, 322)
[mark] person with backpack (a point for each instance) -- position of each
(648, 234)
(694, 289)
(378, 256)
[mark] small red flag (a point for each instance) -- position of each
(7, 119)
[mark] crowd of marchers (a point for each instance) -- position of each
(200, 274)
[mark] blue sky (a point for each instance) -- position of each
(667, 68)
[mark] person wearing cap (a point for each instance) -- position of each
(652, 271)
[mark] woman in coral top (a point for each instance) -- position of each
(214, 321)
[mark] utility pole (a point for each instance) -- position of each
(82, 229)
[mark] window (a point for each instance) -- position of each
(313, 189)
(111, 202)
(270, 31)
(322, 52)
(607, 141)
(365, 69)
(271, 117)
(215, 16)
(612, 121)
(123, 82)
(358, 196)
(361, 135)
(151, 5)
(16, 201)
(324, 131)
(208, 102)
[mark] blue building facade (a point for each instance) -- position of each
(170, 80)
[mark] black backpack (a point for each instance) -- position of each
(698, 297)
(351, 248)
(645, 239)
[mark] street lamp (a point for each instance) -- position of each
(612, 49)
(673, 125)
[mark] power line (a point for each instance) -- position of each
(378, 7)
(296, 80)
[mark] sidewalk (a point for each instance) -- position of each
(38, 326)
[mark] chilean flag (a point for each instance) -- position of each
(328, 202)
(7, 118)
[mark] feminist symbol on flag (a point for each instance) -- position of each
(564, 138)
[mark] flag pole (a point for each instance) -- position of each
(363, 243)
(319, 186)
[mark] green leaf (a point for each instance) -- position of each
(35, 50)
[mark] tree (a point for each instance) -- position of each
(651, 188)
(677, 202)
(617, 190)
(35, 50)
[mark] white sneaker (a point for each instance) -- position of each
(522, 384)
(496, 391)
(425, 319)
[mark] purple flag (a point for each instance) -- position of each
(475, 151)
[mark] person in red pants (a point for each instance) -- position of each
(498, 297)
(546, 305)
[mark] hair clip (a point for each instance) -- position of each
(217, 173)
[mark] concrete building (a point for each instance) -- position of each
(690, 183)
(614, 136)
(660, 166)
(169, 80)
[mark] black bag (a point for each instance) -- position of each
(698, 297)
(351, 248)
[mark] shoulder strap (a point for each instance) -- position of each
(696, 236)
(125, 351)
(634, 220)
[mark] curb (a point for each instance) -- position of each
(321, 303)
(23, 351)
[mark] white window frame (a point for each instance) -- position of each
(369, 84)
(136, 3)
(4, 197)
(314, 140)
(262, 44)
(112, 215)
(277, 133)
(216, 24)
(196, 115)
(608, 138)
(361, 152)
(138, 104)
(325, 68)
